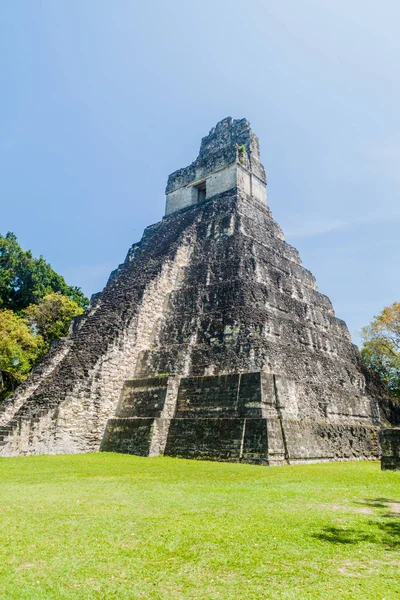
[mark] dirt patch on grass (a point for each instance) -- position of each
(366, 510)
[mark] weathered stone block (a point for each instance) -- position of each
(255, 441)
(128, 436)
(234, 395)
(214, 439)
(390, 448)
(143, 398)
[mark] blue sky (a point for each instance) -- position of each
(101, 100)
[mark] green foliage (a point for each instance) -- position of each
(381, 349)
(242, 153)
(19, 350)
(25, 280)
(120, 527)
(31, 294)
(51, 318)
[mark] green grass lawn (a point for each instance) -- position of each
(108, 526)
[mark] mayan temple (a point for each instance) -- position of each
(211, 340)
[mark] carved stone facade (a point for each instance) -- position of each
(211, 340)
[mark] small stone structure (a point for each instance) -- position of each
(229, 159)
(211, 340)
(390, 444)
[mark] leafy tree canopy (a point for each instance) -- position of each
(25, 280)
(381, 350)
(52, 316)
(19, 350)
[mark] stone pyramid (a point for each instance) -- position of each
(210, 341)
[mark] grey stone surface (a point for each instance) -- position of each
(232, 417)
(211, 340)
(229, 158)
(390, 444)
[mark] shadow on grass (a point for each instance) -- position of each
(392, 505)
(385, 530)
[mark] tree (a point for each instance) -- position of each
(36, 307)
(25, 280)
(51, 318)
(19, 350)
(381, 349)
